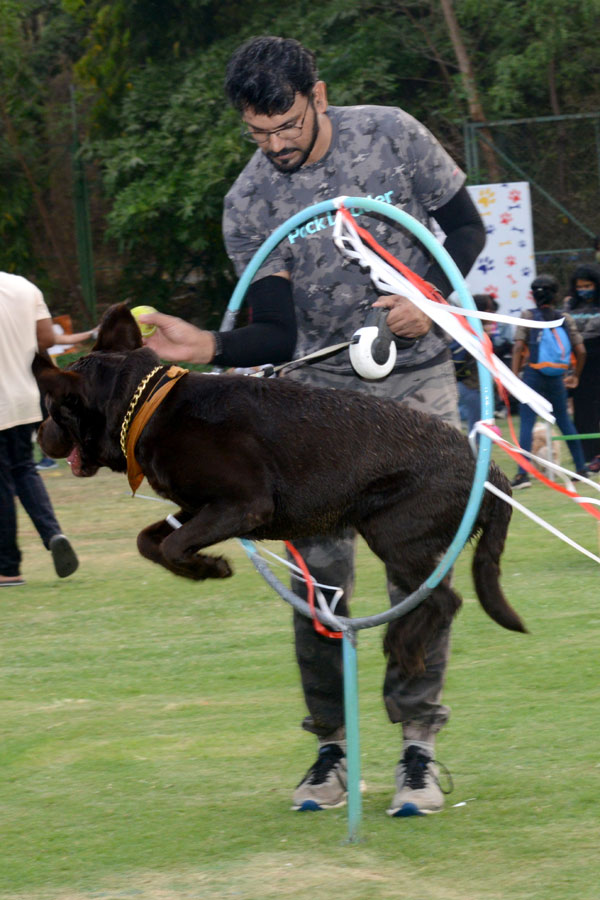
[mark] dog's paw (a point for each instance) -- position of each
(199, 567)
(202, 567)
(221, 567)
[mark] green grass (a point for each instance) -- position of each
(150, 741)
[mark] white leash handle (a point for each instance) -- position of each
(372, 348)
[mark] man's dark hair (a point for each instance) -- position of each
(266, 73)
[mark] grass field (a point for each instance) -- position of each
(150, 738)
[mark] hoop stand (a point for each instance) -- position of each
(352, 734)
(351, 626)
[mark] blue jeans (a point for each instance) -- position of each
(469, 404)
(19, 477)
(552, 388)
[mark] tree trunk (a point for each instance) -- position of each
(474, 104)
(560, 129)
(45, 219)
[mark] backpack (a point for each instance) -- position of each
(464, 365)
(549, 348)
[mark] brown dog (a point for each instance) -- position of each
(271, 459)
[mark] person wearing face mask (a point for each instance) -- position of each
(549, 379)
(583, 303)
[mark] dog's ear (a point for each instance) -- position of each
(118, 331)
(54, 381)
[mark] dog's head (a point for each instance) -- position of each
(87, 401)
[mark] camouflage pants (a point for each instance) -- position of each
(415, 700)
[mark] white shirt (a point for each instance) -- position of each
(21, 307)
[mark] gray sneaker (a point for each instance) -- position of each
(418, 790)
(325, 784)
(63, 556)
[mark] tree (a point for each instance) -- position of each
(166, 146)
(476, 111)
(172, 147)
(33, 46)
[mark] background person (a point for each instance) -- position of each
(306, 295)
(583, 302)
(502, 337)
(553, 387)
(25, 325)
(465, 366)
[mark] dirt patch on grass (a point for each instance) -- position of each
(280, 876)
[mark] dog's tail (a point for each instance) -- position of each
(493, 521)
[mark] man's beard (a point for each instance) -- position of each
(289, 170)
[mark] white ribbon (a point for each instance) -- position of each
(387, 280)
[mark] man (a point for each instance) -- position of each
(550, 382)
(307, 295)
(25, 325)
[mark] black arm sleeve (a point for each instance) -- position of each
(271, 335)
(465, 237)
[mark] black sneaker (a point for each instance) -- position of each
(521, 480)
(45, 464)
(63, 556)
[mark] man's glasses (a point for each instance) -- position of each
(291, 130)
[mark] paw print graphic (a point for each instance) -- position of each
(487, 197)
(486, 264)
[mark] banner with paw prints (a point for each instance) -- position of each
(506, 266)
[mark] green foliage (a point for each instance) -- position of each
(166, 146)
(519, 44)
(35, 41)
(19, 116)
(124, 36)
(173, 147)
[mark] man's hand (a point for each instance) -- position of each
(404, 318)
(571, 381)
(178, 341)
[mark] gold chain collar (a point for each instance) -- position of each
(134, 400)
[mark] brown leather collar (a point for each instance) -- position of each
(168, 380)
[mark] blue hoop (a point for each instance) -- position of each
(485, 381)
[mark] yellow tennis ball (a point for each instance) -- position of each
(144, 327)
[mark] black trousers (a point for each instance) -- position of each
(586, 406)
(20, 478)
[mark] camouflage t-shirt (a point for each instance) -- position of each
(376, 152)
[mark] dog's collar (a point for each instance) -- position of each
(131, 430)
